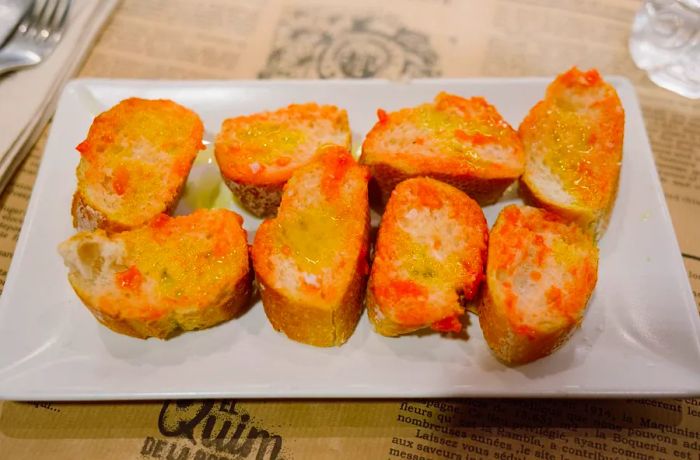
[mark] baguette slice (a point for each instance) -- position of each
(134, 163)
(429, 257)
(464, 142)
(540, 273)
(311, 260)
(573, 143)
(174, 274)
(258, 153)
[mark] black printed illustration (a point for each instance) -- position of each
(313, 44)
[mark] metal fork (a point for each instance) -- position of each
(36, 36)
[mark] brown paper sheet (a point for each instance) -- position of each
(389, 39)
(433, 429)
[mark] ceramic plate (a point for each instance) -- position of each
(640, 336)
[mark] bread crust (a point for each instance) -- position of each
(261, 200)
(321, 327)
(178, 320)
(381, 323)
(513, 340)
(257, 180)
(309, 316)
(597, 166)
(174, 292)
(511, 347)
(126, 147)
(593, 221)
(457, 147)
(87, 217)
(426, 265)
(485, 191)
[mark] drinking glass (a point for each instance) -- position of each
(665, 42)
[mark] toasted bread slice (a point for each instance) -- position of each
(134, 163)
(540, 274)
(573, 144)
(429, 257)
(174, 274)
(258, 153)
(464, 142)
(311, 260)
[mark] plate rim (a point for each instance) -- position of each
(86, 83)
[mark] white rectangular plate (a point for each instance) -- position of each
(640, 336)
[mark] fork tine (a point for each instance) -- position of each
(35, 22)
(58, 24)
(36, 38)
(47, 13)
(51, 16)
(27, 19)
